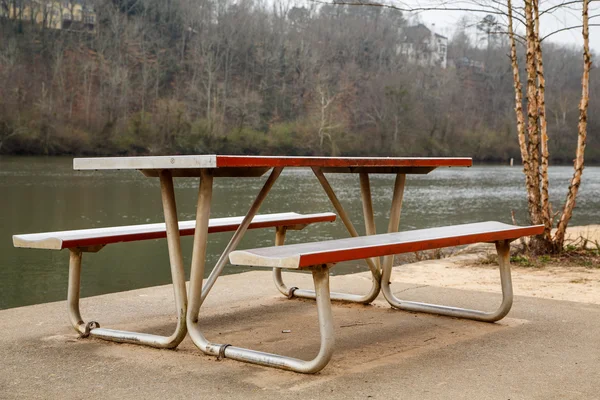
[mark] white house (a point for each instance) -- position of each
(422, 46)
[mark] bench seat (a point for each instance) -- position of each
(297, 256)
(92, 240)
(103, 236)
(319, 257)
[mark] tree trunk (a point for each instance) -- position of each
(518, 97)
(546, 207)
(559, 237)
(533, 190)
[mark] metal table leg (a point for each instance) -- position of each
(321, 281)
(177, 275)
(503, 249)
(196, 295)
(395, 210)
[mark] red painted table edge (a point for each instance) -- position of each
(340, 162)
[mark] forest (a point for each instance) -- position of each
(251, 77)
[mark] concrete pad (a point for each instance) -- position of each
(544, 349)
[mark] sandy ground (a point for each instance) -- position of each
(589, 232)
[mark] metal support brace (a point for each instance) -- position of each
(321, 281)
(280, 232)
(198, 292)
(503, 249)
(369, 216)
(177, 273)
(320, 277)
(394, 221)
(372, 263)
(239, 233)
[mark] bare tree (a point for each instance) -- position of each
(532, 132)
(535, 160)
(325, 100)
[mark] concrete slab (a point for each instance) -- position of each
(544, 349)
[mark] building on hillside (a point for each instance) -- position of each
(75, 15)
(423, 46)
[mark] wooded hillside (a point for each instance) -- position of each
(193, 76)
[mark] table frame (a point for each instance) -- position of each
(374, 264)
(208, 167)
(93, 329)
(198, 291)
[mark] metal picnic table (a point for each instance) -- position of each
(208, 167)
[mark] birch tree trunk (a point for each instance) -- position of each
(533, 135)
(546, 207)
(518, 98)
(559, 237)
(533, 187)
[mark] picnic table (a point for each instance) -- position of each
(317, 257)
(208, 167)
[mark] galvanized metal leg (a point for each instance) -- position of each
(367, 202)
(395, 211)
(280, 232)
(372, 263)
(197, 293)
(199, 249)
(177, 274)
(73, 290)
(321, 281)
(503, 249)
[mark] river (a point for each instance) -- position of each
(45, 194)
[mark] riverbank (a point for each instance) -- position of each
(546, 348)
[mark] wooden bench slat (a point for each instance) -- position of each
(102, 236)
(333, 251)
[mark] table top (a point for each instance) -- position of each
(227, 165)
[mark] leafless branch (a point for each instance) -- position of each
(521, 39)
(562, 5)
(565, 29)
(500, 8)
(412, 9)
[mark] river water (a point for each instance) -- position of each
(45, 194)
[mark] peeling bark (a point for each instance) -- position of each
(518, 97)
(533, 185)
(578, 164)
(546, 207)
